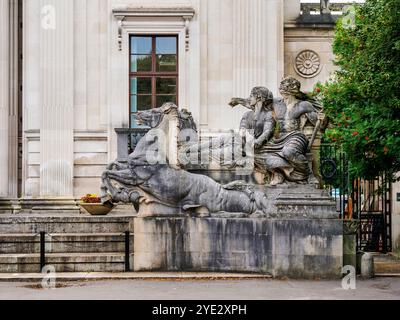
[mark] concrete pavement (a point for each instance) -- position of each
(189, 289)
(83, 276)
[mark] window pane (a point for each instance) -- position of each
(140, 85)
(166, 86)
(141, 63)
(144, 102)
(133, 103)
(140, 103)
(141, 45)
(166, 45)
(164, 99)
(166, 63)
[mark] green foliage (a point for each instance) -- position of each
(362, 101)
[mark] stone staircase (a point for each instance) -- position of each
(387, 265)
(73, 243)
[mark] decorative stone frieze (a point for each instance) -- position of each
(308, 64)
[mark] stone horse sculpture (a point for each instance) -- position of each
(154, 182)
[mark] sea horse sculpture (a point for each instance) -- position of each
(154, 182)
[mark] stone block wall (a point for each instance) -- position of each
(297, 248)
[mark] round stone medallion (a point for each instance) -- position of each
(307, 64)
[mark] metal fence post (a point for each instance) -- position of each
(42, 250)
(127, 251)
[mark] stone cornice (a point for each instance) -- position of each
(296, 25)
(180, 12)
(154, 12)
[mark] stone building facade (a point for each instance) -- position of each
(65, 79)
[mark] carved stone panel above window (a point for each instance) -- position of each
(177, 15)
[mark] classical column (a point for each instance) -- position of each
(292, 10)
(274, 33)
(57, 99)
(4, 96)
(8, 106)
(258, 44)
(13, 113)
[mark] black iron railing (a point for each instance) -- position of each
(42, 247)
(368, 201)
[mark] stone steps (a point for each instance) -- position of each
(67, 242)
(386, 265)
(65, 224)
(64, 262)
(73, 242)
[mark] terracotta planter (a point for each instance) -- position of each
(96, 209)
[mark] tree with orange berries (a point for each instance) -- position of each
(362, 102)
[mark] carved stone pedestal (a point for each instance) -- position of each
(296, 248)
(301, 202)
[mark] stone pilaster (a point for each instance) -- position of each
(250, 45)
(258, 45)
(292, 10)
(13, 113)
(57, 98)
(8, 106)
(4, 97)
(274, 34)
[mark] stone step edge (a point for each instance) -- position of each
(68, 234)
(97, 276)
(387, 275)
(79, 218)
(64, 258)
(61, 254)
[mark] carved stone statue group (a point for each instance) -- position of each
(281, 145)
(157, 184)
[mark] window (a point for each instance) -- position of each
(153, 72)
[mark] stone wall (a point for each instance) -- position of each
(313, 41)
(297, 248)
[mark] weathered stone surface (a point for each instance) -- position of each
(73, 243)
(66, 262)
(158, 186)
(64, 242)
(298, 248)
(367, 266)
(301, 201)
(49, 206)
(386, 264)
(65, 224)
(8, 206)
(349, 250)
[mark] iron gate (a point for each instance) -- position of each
(368, 201)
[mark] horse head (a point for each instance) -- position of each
(154, 117)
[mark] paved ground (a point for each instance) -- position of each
(256, 289)
(74, 276)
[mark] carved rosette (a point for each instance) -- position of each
(307, 64)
